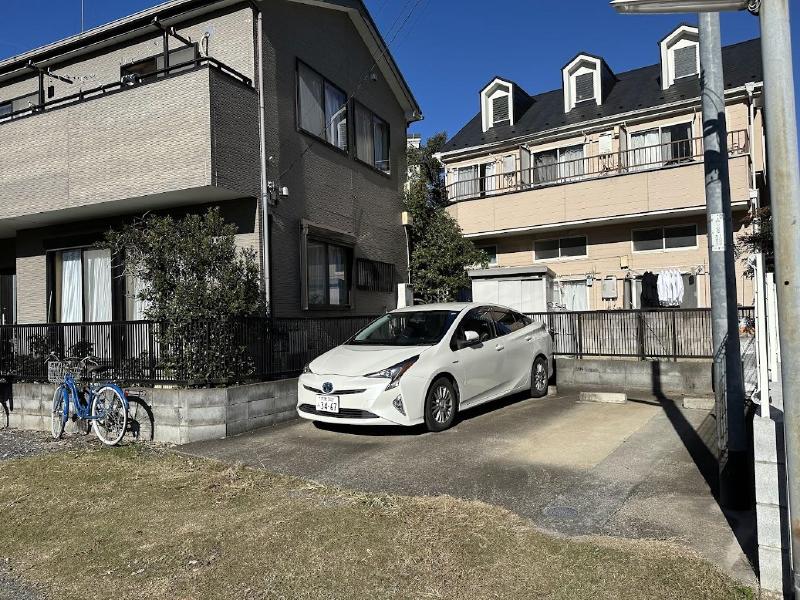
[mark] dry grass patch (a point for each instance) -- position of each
(148, 524)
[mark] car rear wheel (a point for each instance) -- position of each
(539, 377)
(440, 405)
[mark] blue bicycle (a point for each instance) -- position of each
(103, 405)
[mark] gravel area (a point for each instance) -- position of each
(15, 443)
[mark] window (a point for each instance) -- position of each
(147, 66)
(322, 107)
(685, 61)
(661, 146)
(568, 247)
(19, 104)
(558, 165)
(508, 321)
(572, 295)
(478, 320)
(375, 276)
(492, 252)
(664, 238)
(372, 139)
(500, 110)
(584, 87)
(328, 274)
(8, 297)
(80, 287)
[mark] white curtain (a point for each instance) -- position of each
(381, 141)
(337, 279)
(571, 162)
(574, 296)
(509, 172)
(135, 307)
(489, 172)
(646, 148)
(467, 178)
(71, 287)
(97, 275)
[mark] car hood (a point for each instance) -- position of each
(355, 361)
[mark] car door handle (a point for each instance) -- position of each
(499, 347)
(528, 338)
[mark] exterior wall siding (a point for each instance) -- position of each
(326, 186)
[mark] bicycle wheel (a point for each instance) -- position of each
(109, 417)
(57, 416)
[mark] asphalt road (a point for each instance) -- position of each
(641, 469)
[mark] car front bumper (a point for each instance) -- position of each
(362, 400)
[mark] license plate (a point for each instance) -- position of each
(328, 404)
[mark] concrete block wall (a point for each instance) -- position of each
(179, 415)
(653, 377)
(771, 503)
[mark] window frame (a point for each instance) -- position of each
(664, 248)
(661, 163)
(321, 238)
(374, 116)
(347, 104)
(52, 284)
(158, 73)
(558, 165)
(559, 257)
(10, 102)
(484, 248)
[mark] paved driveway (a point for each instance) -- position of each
(639, 469)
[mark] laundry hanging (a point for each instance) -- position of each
(649, 298)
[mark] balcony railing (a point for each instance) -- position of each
(125, 83)
(659, 156)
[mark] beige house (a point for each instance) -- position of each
(289, 115)
(602, 181)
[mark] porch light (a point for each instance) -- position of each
(677, 6)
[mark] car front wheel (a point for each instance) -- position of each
(440, 405)
(539, 377)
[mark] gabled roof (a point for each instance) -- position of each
(637, 89)
(171, 11)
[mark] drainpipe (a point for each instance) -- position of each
(262, 151)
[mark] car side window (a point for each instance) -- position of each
(524, 319)
(508, 321)
(477, 320)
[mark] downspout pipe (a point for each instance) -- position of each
(262, 152)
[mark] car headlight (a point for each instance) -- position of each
(307, 369)
(393, 374)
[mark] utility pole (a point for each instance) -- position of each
(724, 313)
(784, 181)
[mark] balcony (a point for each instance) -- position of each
(182, 135)
(659, 178)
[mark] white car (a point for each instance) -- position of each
(423, 364)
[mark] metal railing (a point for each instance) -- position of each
(196, 353)
(666, 333)
(125, 83)
(659, 156)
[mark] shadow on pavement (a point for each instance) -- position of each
(702, 447)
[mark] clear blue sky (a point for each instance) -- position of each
(447, 50)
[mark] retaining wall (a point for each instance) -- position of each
(652, 377)
(178, 415)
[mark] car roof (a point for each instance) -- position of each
(459, 306)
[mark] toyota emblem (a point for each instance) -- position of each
(327, 387)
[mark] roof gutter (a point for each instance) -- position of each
(601, 124)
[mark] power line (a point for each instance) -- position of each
(363, 78)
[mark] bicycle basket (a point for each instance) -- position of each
(56, 370)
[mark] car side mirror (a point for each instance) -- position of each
(471, 338)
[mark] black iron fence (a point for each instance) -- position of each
(197, 353)
(667, 333)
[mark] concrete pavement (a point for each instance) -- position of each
(641, 469)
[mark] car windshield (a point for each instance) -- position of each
(418, 328)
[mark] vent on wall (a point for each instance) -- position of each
(685, 61)
(500, 112)
(584, 87)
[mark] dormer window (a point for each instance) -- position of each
(685, 61)
(584, 87)
(501, 113)
(680, 57)
(586, 78)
